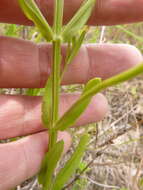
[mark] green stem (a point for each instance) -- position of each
(55, 89)
(58, 16)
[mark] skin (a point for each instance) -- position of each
(24, 64)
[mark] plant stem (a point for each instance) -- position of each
(58, 16)
(55, 89)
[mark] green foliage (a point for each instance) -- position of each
(47, 104)
(65, 173)
(33, 13)
(77, 109)
(73, 33)
(49, 164)
(91, 84)
(79, 19)
(76, 46)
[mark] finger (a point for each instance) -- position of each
(22, 159)
(24, 64)
(105, 12)
(21, 115)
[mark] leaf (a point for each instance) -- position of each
(77, 109)
(32, 11)
(73, 114)
(78, 20)
(49, 164)
(92, 83)
(73, 49)
(76, 46)
(47, 104)
(72, 164)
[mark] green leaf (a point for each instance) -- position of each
(49, 164)
(47, 104)
(79, 20)
(58, 16)
(92, 83)
(77, 109)
(73, 114)
(72, 164)
(73, 50)
(32, 11)
(76, 46)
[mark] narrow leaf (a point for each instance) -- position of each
(49, 164)
(32, 11)
(79, 20)
(72, 164)
(77, 109)
(72, 51)
(76, 46)
(71, 116)
(47, 104)
(92, 83)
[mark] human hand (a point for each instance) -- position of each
(24, 64)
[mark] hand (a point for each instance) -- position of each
(24, 64)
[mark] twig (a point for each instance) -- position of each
(102, 185)
(108, 141)
(103, 28)
(77, 177)
(137, 176)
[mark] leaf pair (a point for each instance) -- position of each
(51, 159)
(32, 11)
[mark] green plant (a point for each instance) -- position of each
(73, 34)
